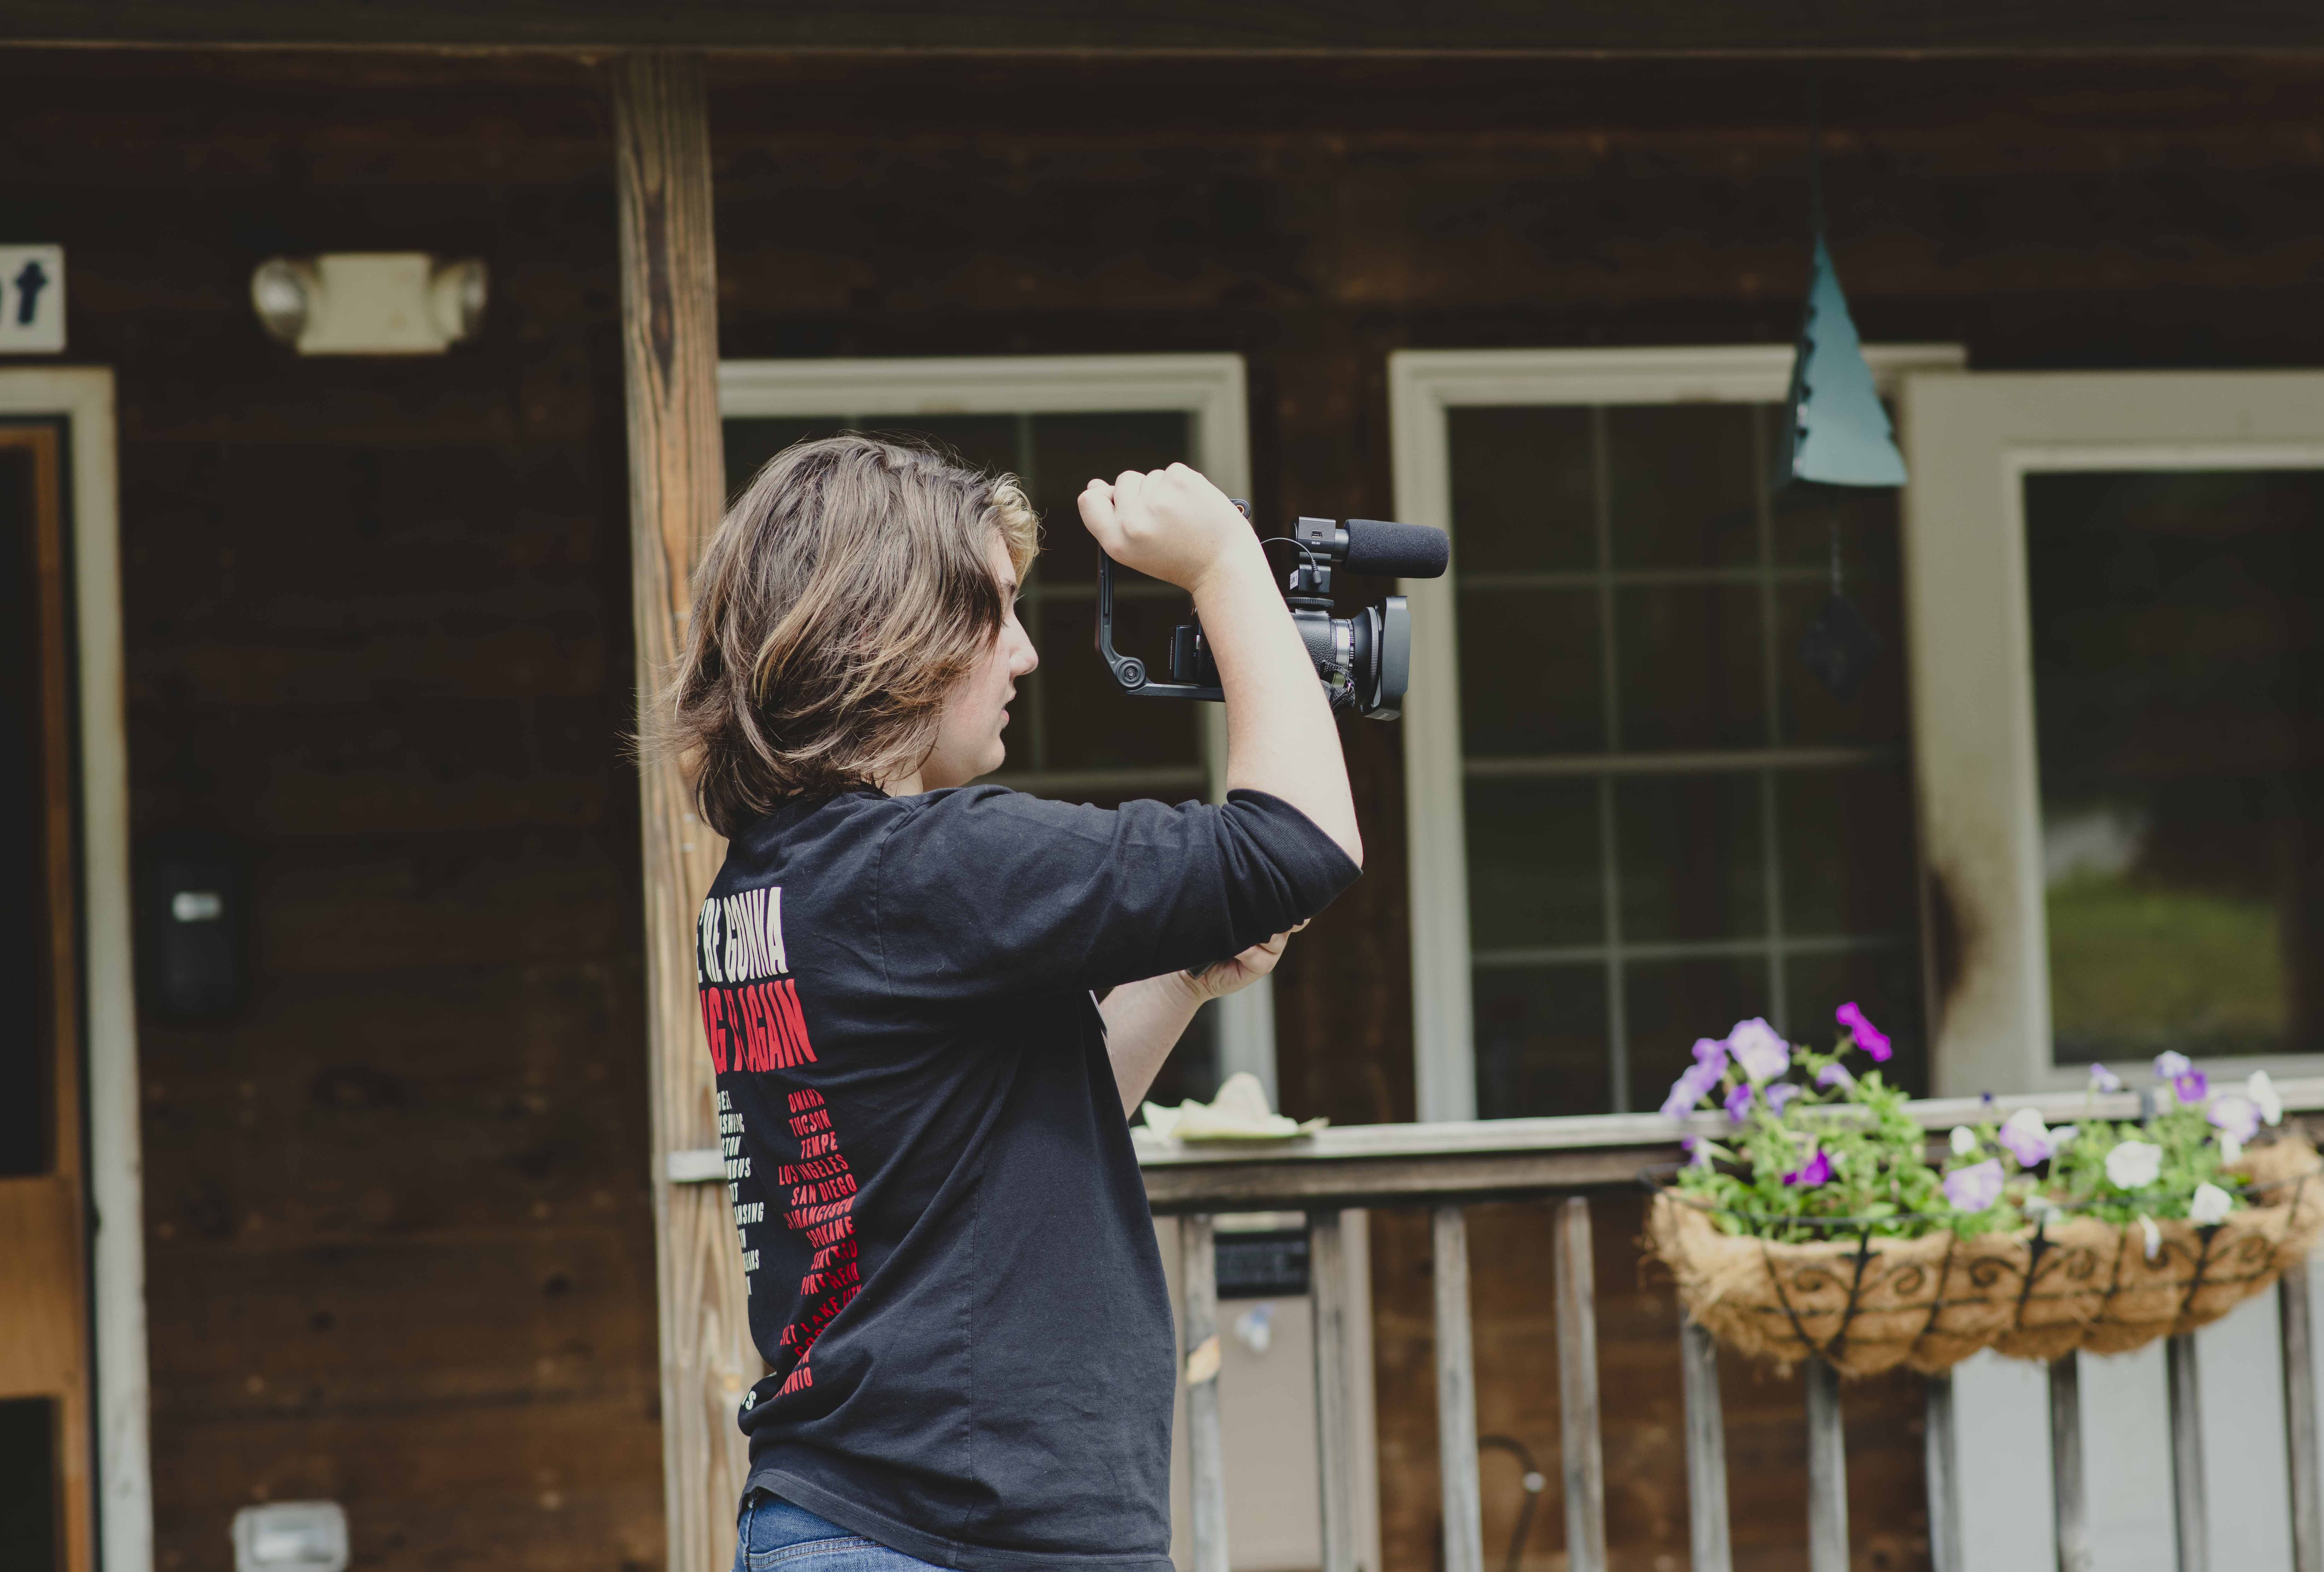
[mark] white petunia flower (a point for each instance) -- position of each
(1964, 1141)
(2153, 1237)
(2211, 1204)
(2231, 1150)
(2133, 1165)
(2262, 1090)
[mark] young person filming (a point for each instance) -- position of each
(933, 1005)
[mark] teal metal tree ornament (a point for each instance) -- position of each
(1840, 433)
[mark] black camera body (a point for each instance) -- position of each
(1363, 661)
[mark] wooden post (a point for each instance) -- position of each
(1577, 1390)
(1335, 1440)
(669, 352)
(2300, 1439)
(2070, 1489)
(1198, 1276)
(1943, 1467)
(1827, 1472)
(1456, 1398)
(2187, 1454)
(1706, 1534)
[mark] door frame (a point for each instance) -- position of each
(1970, 441)
(82, 397)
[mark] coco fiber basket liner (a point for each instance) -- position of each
(1866, 1303)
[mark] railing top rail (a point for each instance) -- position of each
(1409, 1164)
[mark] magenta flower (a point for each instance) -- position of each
(1759, 1048)
(1868, 1037)
(1711, 1053)
(1976, 1188)
(1692, 1084)
(1816, 1170)
(1738, 1101)
(2105, 1079)
(2236, 1114)
(1781, 1093)
(1834, 1075)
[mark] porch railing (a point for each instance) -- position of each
(1446, 1168)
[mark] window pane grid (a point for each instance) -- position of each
(1684, 645)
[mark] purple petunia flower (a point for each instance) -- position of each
(1816, 1170)
(2236, 1114)
(2027, 1139)
(2192, 1087)
(1759, 1048)
(1835, 1075)
(2170, 1067)
(1689, 1089)
(1781, 1093)
(1738, 1101)
(1975, 1187)
(1868, 1037)
(2105, 1079)
(1711, 1053)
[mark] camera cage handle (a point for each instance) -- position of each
(1129, 671)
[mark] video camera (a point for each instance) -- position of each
(1363, 661)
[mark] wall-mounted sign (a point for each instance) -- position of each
(31, 300)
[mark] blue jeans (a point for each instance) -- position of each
(774, 1536)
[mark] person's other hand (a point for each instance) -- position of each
(1217, 982)
(1171, 524)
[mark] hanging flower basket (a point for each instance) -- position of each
(1819, 1228)
(1868, 1304)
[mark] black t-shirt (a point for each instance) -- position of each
(951, 1265)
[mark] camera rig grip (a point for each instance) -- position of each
(1129, 671)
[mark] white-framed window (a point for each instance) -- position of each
(1056, 421)
(1633, 816)
(2114, 583)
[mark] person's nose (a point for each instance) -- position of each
(1025, 657)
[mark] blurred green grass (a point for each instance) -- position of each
(2136, 968)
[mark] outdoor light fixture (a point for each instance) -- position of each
(369, 302)
(290, 1536)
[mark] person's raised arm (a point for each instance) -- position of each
(1176, 525)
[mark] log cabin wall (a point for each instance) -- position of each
(399, 1247)
(377, 612)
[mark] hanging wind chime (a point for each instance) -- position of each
(1841, 434)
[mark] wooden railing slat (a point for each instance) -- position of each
(2187, 1454)
(1708, 1544)
(2299, 1334)
(1943, 1465)
(1827, 1472)
(1577, 1390)
(1198, 1265)
(2069, 1484)
(1456, 1397)
(1335, 1441)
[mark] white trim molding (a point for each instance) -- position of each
(1210, 389)
(82, 396)
(1970, 441)
(1423, 384)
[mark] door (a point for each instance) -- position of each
(45, 1507)
(2116, 603)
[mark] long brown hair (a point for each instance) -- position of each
(845, 593)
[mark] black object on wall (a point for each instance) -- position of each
(192, 926)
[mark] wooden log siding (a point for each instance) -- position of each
(669, 340)
(1441, 1166)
